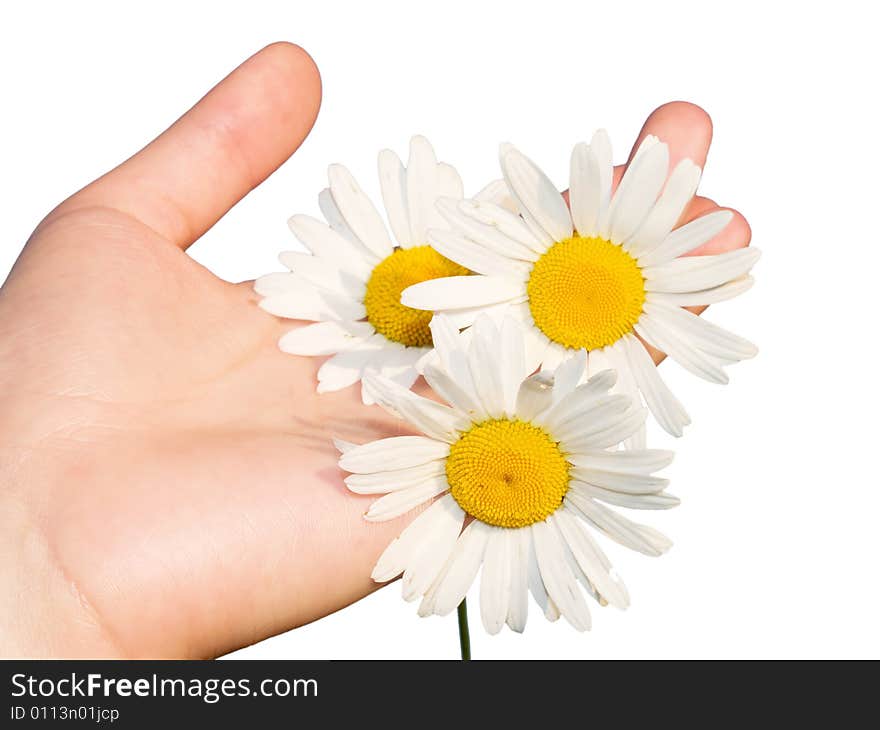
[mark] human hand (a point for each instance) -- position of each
(168, 486)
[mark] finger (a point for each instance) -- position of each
(736, 234)
(684, 127)
(228, 143)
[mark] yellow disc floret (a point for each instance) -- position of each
(507, 473)
(586, 292)
(401, 269)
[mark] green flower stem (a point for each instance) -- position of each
(464, 636)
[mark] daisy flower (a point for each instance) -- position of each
(350, 283)
(600, 276)
(520, 468)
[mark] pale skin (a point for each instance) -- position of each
(168, 487)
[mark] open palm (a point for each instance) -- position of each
(168, 486)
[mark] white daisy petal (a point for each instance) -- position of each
(429, 358)
(294, 305)
(638, 191)
(458, 574)
(641, 538)
(587, 412)
(421, 187)
(646, 461)
(431, 418)
(639, 439)
(340, 308)
(428, 561)
(693, 273)
(628, 501)
(679, 191)
(458, 214)
(579, 574)
(404, 379)
(536, 583)
(475, 257)
(616, 359)
(279, 282)
(628, 483)
(591, 559)
(560, 582)
(567, 376)
(398, 362)
(308, 303)
(661, 338)
(522, 312)
(466, 316)
(332, 246)
(396, 556)
(535, 395)
(496, 193)
(706, 296)
(584, 190)
(346, 368)
(394, 480)
(405, 376)
(447, 340)
(600, 368)
(578, 403)
(665, 407)
(453, 359)
(325, 338)
(554, 356)
(518, 604)
(456, 292)
(395, 357)
(450, 391)
(611, 436)
(516, 207)
(392, 181)
(495, 580)
(358, 212)
(600, 149)
(597, 362)
(511, 367)
(402, 501)
(334, 217)
(517, 238)
(484, 366)
(343, 446)
(395, 452)
(710, 338)
(626, 385)
(536, 195)
(536, 346)
(685, 239)
(605, 413)
(648, 142)
(448, 185)
(325, 274)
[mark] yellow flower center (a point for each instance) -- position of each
(586, 292)
(403, 268)
(507, 473)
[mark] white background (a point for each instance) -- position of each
(776, 539)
